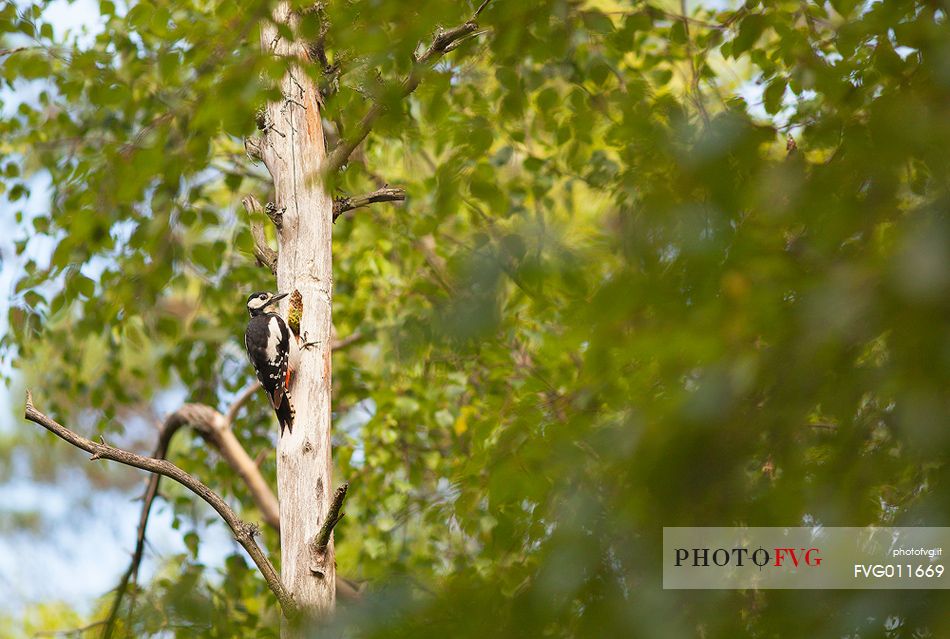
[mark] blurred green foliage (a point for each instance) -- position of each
(616, 299)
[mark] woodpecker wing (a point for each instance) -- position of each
(267, 340)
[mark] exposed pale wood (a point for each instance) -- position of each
(293, 150)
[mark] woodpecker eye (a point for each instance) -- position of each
(263, 296)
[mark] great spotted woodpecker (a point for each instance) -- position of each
(274, 353)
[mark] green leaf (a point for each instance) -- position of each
(597, 22)
(192, 542)
(547, 99)
(773, 95)
(84, 286)
(750, 30)
(678, 32)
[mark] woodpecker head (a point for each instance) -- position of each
(263, 302)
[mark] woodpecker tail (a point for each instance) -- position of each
(285, 413)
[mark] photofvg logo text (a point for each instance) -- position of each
(804, 558)
(761, 557)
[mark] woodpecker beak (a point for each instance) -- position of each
(278, 297)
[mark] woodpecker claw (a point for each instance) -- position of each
(308, 344)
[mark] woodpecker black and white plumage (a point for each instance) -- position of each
(273, 351)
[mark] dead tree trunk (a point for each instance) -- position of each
(292, 147)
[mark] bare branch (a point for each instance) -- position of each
(202, 418)
(388, 194)
(342, 151)
(218, 432)
(266, 256)
(352, 338)
(333, 518)
(319, 557)
(4, 52)
(349, 590)
(243, 532)
(455, 45)
(439, 47)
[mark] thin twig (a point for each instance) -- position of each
(72, 632)
(694, 72)
(388, 194)
(426, 245)
(455, 45)
(240, 400)
(662, 14)
(480, 8)
(4, 52)
(352, 338)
